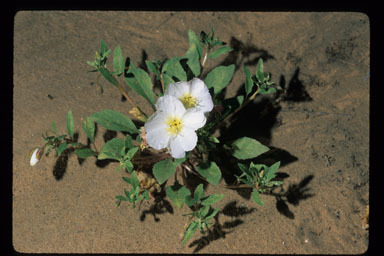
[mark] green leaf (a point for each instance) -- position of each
(121, 198)
(103, 47)
(152, 67)
(219, 77)
(194, 53)
(129, 194)
(215, 211)
(212, 199)
(269, 91)
(270, 173)
(126, 179)
(220, 51)
(70, 124)
(89, 128)
(93, 64)
(199, 193)
(213, 139)
(246, 148)
(177, 195)
(145, 194)
(256, 197)
(115, 121)
(134, 181)
(128, 141)
(210, 171)
(84, 153)
(131, 152)
(260, 70)
(190, 231)
(276, 183)
(118, 61)
(164, 169)
(204, 210)
(111, 149)
(57, 138)
(76, 144)
(167, 80)
(143, 85)
(128, 165)
(194, 64)
(248, 81)
(54, 127)
(172, 67)
(63, 146)
(194, 44)
(190, 201)
(107, 75)
(244, 169)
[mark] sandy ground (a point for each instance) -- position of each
(318, 127)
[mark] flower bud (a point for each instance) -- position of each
(35, 156)
(140, 115)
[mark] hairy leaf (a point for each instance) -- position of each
(219, 77)
(246, 148)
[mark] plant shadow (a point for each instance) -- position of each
(218, 230)
(294, 194)
(61, 163)
(246, 53)
(159, 206)
(295, 90)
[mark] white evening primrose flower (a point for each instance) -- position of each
(35, 157)
(173, 126)
(193, 94)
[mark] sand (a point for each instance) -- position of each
(318, 127)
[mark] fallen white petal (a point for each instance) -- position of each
(34, 160)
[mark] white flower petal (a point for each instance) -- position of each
(205, 103)
(198, 87)
(34, 160)
(194, 118)
(156, 131)
(188, 138)
(170, 105)
(176, 147)
(201, 92)
(178, 89)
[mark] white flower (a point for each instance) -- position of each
(193, 94)
(35, 157)
(173, 127)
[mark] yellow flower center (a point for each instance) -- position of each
(174, 125)
(188, 100)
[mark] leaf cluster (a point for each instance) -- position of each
(200, 218)
(261, 79)
(135, 194)
(259, 177)
(64, 141)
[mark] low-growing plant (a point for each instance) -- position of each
(178, 137)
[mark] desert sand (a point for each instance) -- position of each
(318, 126)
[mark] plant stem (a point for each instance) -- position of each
(125, 94)
(162, 83)
(204, 60)
(94, 144)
